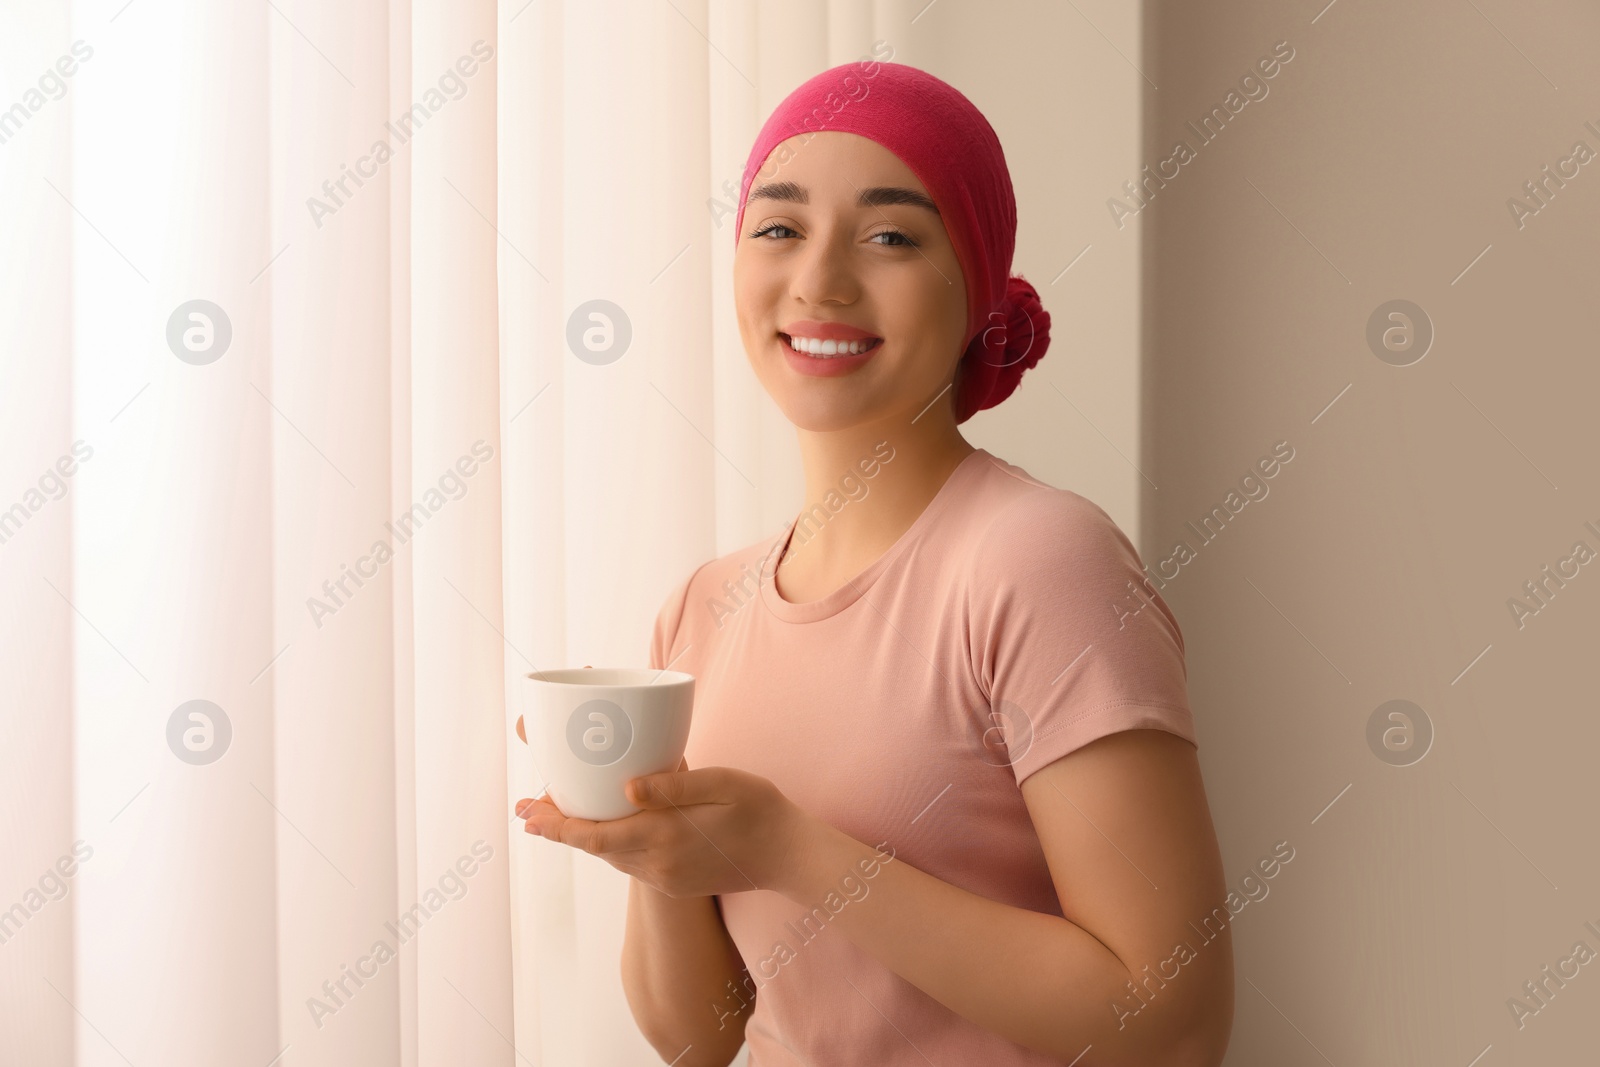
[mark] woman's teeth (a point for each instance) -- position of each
(810, 346)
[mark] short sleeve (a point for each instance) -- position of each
(668, 620)
(1069, 639)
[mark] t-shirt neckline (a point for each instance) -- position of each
(851, 591)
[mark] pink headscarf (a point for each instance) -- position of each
(947, 143)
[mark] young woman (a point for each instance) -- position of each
(941, 801)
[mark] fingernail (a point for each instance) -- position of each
(534, 830)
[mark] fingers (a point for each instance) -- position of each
(584, 834)
(542, 818)
(542, 798)
(611, 836)
(530, 810)
(654, 790)
(677, 788)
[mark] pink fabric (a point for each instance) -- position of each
(871, 709)
(953, 151)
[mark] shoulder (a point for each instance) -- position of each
(1029, 529)
(1067, 635)
(1050, 519)
(1051, 559)
(712, 591)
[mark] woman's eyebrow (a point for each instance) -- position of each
(876, 196)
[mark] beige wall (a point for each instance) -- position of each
(1059, 84)
(1380, 564)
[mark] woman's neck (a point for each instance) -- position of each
(861, 495)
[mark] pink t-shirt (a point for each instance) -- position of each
(1008, 626)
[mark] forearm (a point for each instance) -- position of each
(1039, 980)
(677, 961)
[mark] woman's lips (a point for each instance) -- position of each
(869, 342)
(826, 366)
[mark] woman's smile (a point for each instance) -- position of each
(824, 364)
(827, 348)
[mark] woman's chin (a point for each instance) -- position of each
(815, 415)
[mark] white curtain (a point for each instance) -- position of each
(300, 474)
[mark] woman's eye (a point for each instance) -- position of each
(903, 240)
(897, 238)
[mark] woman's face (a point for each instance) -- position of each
(812, 255)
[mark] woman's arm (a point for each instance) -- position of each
(677, 963)
(1127, 834)
(1135, 861)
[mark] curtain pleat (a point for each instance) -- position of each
(335, 680)
(531, 149)
(175, 550)
(464, 952)
(400, 98)
(37, 622)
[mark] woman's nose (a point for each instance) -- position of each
(825, 274)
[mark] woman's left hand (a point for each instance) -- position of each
(702, 832)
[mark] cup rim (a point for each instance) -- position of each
(572, 677)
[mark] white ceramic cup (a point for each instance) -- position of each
(591, 729)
